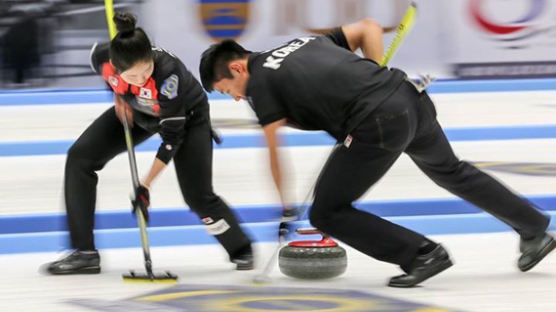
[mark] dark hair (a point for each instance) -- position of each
(130, 45)
(215, 59)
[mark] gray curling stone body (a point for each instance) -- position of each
(312, 259)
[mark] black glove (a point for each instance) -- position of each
(141, 201)
(286, 227)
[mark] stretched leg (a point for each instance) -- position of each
(102, 141)
(193, 163)
(432, 153)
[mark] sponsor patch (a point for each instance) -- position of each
(218, 227)
(145, 102)
(170, 87)
(168, 147)
(207, 220)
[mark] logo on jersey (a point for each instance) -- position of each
(146, 93)
(348, 140)
(170, 87)
(274, 61)
(163, 50)
(225, 19)
(113, 81)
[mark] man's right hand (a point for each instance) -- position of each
(122, 106)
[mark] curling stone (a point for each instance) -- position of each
(312, 259)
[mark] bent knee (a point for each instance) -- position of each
(320, 218)
(81, 157)
(75, 151)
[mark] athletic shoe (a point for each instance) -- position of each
(78, 262)
(534, 250)
(423, 267)
(244, 260)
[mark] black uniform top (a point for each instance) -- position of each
(162, 103)
(317, 83)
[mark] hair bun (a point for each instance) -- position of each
(125, 22)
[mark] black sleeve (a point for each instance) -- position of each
(172, 116)
(100, 54)
(175, 87)
(338, 37)
(266, 105)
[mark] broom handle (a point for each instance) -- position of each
(405, 26)
(135, 180)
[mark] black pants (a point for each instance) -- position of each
(406, 122)
(104, 139)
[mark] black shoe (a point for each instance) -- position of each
(423, 267)
(77, 262)
(244, 260)
(534, 250)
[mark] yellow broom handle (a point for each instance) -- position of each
(109, 9)
(404, 27)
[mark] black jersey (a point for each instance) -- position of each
(317, 83)
(162, 103)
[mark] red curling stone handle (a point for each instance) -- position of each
(323, 243)
(308, 231)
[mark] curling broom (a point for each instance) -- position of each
(149, 276)
(132, 276)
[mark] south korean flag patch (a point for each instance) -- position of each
(170, 87)
(146, 93)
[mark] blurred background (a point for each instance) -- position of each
(46, 43)
(495, 97)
